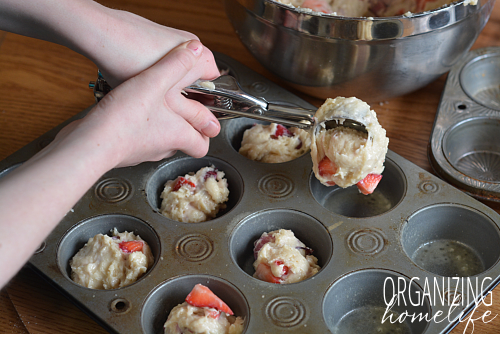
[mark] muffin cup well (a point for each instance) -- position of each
(451, 240)
(182, 166)
(305, 228)
(472, 147)
(351, 202)
(358, 303)
(480, 80)
(171, 293)
(79, 235)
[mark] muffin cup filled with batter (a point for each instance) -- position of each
(180, 167)
(168, 295)
(305, 228)
(103, 265)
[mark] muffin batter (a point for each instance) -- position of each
(274, 143)
(195, 197)
(109, 262)
(344, 156)
(281, 258)
(370, 8)
(203, 313)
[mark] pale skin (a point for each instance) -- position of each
(144, 118)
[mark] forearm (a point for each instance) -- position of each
(51, 20)
(37, 195)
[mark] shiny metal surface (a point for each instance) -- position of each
(232, 101)
(370, 58)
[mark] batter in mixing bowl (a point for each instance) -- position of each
(369, 8)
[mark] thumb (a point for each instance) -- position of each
(174, 66)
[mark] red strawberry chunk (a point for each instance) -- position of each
(201, 296)
(214, 314)
(263, 272)
(265, 238)
(286, 269)
(131, 246)
(369, 183)
(182, 181)
(281, 131)
(210, 174)
(327, 168)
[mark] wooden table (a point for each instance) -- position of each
(44, 84)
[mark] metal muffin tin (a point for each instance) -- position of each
(364, 244)
(465, 141)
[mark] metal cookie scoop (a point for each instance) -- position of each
(230, 100)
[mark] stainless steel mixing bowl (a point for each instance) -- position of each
(370, 58)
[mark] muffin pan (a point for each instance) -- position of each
(404, 237)
(465, 141)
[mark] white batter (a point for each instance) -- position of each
(369, 8)
(188, 319)
(283, 259)
(103, 264)
(195, 197)
(274, 144)
(353, 153)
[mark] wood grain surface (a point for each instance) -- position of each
(43, 84)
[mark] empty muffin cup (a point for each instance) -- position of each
(171, 293)
(360, 303)
(351, 202)
(307, 229)
(80, 234)
(451, 240)
(472, 147)
(182, 166)
(480, 80)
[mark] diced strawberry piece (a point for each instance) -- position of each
(327, 168)
(201, 296)
(317, 5)
(214, 314)
(131, 246)
(265, 238)
(263, 272)
(182, 181)
(369, 183)
(286, 269)
(281, 131)
(210, 174)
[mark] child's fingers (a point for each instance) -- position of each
(196, 114)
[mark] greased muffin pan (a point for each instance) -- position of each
(465, 142)
(415, 236)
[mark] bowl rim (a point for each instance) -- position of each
(364, 28)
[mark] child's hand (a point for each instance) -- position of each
(147, 118)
